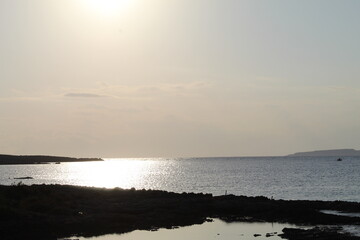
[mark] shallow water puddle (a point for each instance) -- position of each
(209, 230)
(351, 229)
(346, 214)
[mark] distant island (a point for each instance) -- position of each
(328, 153)
(39, 159)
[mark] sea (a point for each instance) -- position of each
(290, 178)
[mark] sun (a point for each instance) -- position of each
(108, 7)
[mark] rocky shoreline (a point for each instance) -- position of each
(58, 211)
(318, 233)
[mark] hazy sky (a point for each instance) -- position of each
(163, 78)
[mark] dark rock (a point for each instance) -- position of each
(324, 233)
(55, 211)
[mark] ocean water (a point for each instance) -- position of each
(309, 178)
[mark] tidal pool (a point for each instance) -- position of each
(209, 230)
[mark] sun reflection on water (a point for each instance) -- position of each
(124, 173)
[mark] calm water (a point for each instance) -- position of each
(217, 230)
(211, 230)
(280, 177)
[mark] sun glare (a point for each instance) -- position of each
(124, 173)
(108, 7)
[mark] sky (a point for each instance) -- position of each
(178, 78)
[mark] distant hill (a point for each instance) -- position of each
(328, 153)
(14, 159)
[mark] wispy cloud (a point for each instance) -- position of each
(139, 92)
(107, 91)
(83, 95)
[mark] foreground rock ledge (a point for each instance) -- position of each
(55, 211)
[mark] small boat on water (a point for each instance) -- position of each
(339, 159)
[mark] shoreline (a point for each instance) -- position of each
(40, 159)
(60, 211)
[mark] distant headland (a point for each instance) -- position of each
(40, 159)
(328, 153)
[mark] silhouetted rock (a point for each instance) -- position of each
(324, 233)
(270, 234)
(54, 211)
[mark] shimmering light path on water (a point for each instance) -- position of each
(278, 177)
